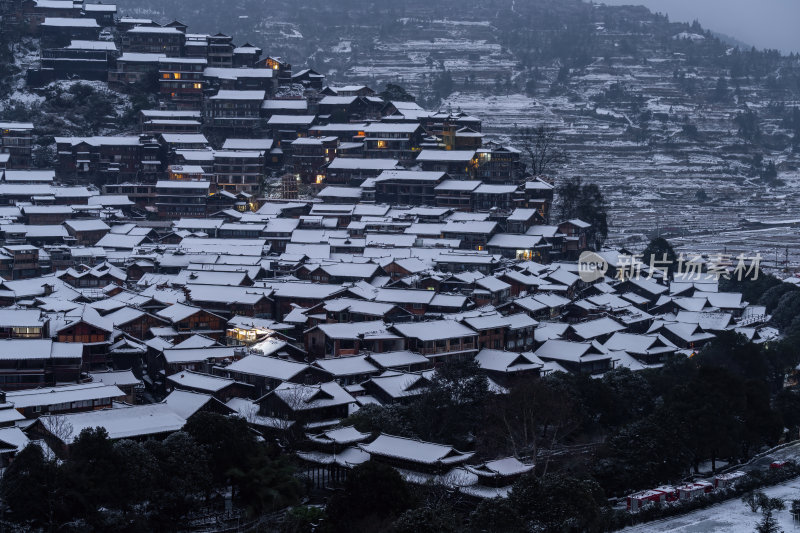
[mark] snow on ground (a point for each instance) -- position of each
(730, 517)
(343, 47)
(21, 98)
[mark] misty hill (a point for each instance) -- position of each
(477, 42)
(658, 113)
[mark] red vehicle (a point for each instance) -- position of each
(644, 498)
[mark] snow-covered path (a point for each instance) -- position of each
(730, 517)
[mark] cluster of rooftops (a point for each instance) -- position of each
(296, 321)
(421, 247)
(268, 118)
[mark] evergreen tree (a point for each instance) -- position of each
(586, 202)
(768, 523)
(372, 497)
(32, 487)
(659, 253)
(396, 93)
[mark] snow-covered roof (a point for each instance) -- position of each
(398, 359)
(63, 394)
(225, 94)
(140, 57)
(121, 378)
(187, 403)
(390, 127)
(13, 436)
(503, 361)
(119, 423)
(302, 120)
(184, 138)
(10, 318)
(339, 436)
(410, 175)
(247, 144)
(458, 156)
(639, 344)
(272, 367)
(108, 46)
(236, 73)
(596, 328)
(434, 330)
(508, 466)
(375, 329)
(59, 22)
(414, 451)
(338, 100)
(458, 185)
(21, 349)
(200, 381)
(574, 352)
(196, 355)
(347, 366)
(155, 29)
(87, 225)
(294, 104)
(100, 8)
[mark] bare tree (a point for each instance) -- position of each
(535, 418)
(59, 427)
(291, 418)
(542, 148)
(250, 413)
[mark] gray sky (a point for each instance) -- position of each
(763, 23)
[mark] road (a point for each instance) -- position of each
(731, 516)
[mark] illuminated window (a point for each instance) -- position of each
(382, 144)
(320, 177)
(165, 75)
(177, 75)
(197, 85)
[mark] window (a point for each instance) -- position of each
(524, 255)
(197, 85)
(382, 144)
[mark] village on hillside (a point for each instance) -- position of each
(325, 263)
